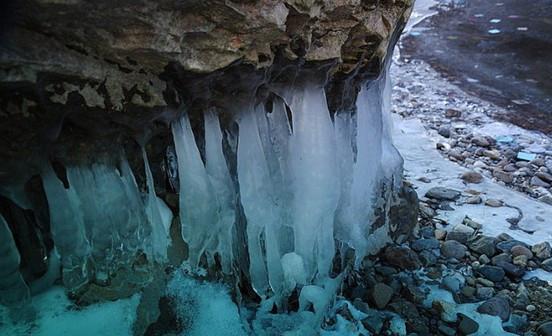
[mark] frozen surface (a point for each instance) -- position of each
(56, 317)
(422, 159)
(206, 308)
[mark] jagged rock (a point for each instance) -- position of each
(483, 245)
(402, 257)
(119, 59)
(497, 306)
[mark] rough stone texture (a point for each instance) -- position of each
(402, 257)
(104, 68)
(453, 249)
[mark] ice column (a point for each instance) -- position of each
(261, 210)
(68, 230)
(159, 216)
(207, 197)
(314, 178)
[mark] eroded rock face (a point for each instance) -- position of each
(110, 68)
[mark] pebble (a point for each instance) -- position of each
(492, 154)
(506, 245)
(425, 244)
(519, 250)
(444, 131)
(441, 193)
(472, 177)
(480, 141)
(503, 176)
(474, 200)
(530, 308)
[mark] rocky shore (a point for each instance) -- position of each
(469, 134)
(472, 267)
(449, 282)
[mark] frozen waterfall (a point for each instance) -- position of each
(305, 180)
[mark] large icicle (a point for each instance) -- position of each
(261, 211)
(225, 194)
(314, 178)
(159, 216)
(197, 206)
(14, 292)
(68, 231)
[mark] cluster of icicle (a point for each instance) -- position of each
(303, 183)
(99, 221)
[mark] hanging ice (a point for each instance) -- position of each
(68, 230)
(207, 197)
(102, 220)
(304, 180)
(158, 214)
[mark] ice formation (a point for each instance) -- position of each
(304, 179)
(102, 219)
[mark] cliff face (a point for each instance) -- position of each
(110, 68)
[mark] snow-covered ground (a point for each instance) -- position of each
(56, 315)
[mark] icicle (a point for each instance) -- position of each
(159, 216)
(221, 182)
(314, 178)
(263, 217)
(68, 231)
(197, 206)
(13, 289)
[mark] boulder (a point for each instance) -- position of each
(497, 306)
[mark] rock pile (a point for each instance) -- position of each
(486, 272)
